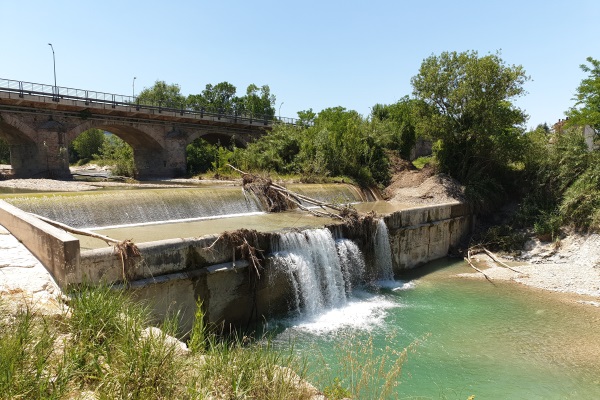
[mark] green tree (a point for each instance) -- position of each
(397, 123)
(215, 98)
(306, 117)
(336, 142)
(587, 107)
(471, 115)
(200, 155)
(88, 144)
(341, 143)
(561, 178)
(259, 101)
(276, 151)
(119, 153)
(162, 94)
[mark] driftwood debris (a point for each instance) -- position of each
(108, 240)
(278, 198)
(494, 257)
(497, 261)
(468, 260)
(126, 250)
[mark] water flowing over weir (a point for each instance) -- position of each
(127, 207)
(321, 270)
(383, 252)
(321, 265)
(150, 206)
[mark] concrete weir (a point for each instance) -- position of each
(173, 274)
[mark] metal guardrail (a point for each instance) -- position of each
(58, 93)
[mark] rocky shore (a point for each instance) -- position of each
(569, 266)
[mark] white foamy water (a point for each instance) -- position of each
(395, 285)
(352, 262)
(358, 313)
(325, 275)
(310, 260)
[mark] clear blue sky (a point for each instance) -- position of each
(313, 54)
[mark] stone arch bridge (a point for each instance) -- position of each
(40, 121)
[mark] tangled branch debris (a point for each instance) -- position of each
(277, 198)
(246, 241)
(126, 250)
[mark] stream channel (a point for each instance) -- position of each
(466, 336)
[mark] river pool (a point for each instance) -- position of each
(466, 337)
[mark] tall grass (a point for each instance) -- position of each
(362, 370)
(98, 347)
(26, 352)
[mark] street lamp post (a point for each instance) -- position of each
(55, 91)
(280, 111)
(133, 87)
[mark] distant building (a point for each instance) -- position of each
(592, 138)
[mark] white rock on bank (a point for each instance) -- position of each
(156, 333)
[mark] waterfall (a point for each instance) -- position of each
(320, 269)
(383, 252)
(352, 262)
(110, 208)
(129, 207)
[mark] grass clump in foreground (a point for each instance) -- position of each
(361, 370)
(100, 347)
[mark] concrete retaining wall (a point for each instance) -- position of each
(229, 296)
(425, 234)
(57, 250)
(173, 274)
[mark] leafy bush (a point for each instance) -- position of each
(200, 155)
(561, 182)
(421, 162)
(88, 144)
(580, 205)
(547, 226)
(337, 143)
(117, 152)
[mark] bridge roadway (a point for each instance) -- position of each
(39, 122)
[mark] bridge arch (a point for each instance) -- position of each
(135, 137)
(25, 157)
(155, 153)
(43, 125)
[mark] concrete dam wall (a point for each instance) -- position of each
(304, 270)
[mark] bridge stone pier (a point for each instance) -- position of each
(39, 129)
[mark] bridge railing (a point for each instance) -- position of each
(58, 93)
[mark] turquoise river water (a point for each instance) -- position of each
(466, 337)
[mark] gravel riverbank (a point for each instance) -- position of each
(573, 266)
